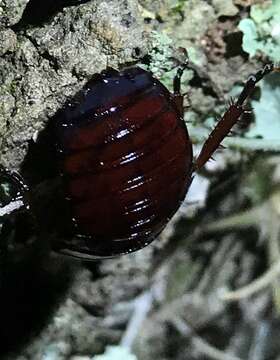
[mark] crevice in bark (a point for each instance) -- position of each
(37, 12)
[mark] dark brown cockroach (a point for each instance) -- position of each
(126, 158)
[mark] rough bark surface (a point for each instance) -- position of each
(41, 66)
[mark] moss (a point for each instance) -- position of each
(178, 7)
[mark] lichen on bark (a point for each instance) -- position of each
(41, 66)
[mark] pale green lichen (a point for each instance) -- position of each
(164, 58)
(267, 110)
(262, 30)
(161, 53)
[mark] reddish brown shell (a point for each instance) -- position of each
(126, 160)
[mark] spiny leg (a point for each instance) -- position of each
(178, 79)
(177, 83)
(230, 117)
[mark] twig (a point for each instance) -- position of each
(259, 284)
(210, 351)
(243, 219)
(202, 346)
(258, 347)
(142, 306)
(273, 228)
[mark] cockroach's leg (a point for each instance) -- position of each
(230, 117)
(177, 87)
(17, 203)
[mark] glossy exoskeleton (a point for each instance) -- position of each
(126, 158)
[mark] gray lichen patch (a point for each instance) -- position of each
(11, 11)
(45, 65)
(8, 40)
(225, 8)
(28, 81)
(92, 36)
(194, 26)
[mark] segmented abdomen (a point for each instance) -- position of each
(126, 159)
